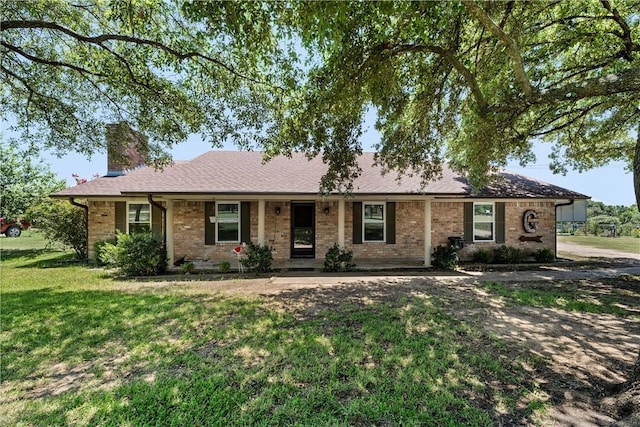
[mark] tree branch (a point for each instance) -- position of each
(101, 39)
(468, 76)
(611, 84)
(512, 47)
(582, 113)
(577, 71)
(625, 35)
(49, 62)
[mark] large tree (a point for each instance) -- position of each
(468, 82)
(69, 68)
(465, 82)
(25, 181)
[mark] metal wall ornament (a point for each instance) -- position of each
(530, 221)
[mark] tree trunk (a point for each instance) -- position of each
(636, 170)
(635, 373)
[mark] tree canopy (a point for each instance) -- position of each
(472, 83)
(69, 68)
(24, 181)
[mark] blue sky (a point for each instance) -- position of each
(611, 184)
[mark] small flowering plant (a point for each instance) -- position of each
(83, 180)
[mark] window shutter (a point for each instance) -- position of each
(500, 223)
(245, 222)
(156, 221)
(468, 222)
(209, 227)
(121, 216)
(391, 222)
(357, 223)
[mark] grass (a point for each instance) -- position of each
(80, 348)
(29, 239)
(622, 244)
(570, 296)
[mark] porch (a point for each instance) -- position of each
(315, 264)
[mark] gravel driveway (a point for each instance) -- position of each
(570, 250)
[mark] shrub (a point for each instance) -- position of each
(224, 267)
(188, 267)
(482, 255)
(61, 222)
(507, 255)
(338, 259)
(105, 252)
(140, 254)
(445, 257)
(259, 258)
(544, 255)
(100, 247)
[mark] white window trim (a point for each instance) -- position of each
(365, 221)
(129, 203)
(219, 220)
(493, 221)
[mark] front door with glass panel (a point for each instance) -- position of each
(303, 233)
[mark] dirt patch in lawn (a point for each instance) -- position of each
(582, 355)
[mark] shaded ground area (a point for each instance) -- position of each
(584, 355)
(574, 328)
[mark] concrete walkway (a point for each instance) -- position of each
(554, 273)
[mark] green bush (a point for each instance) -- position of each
(259, 258)
(338, 259)
(508, 255)
(140, 254)
(103, 252)
(188, 267)
(482, 256)
(445, 257)
(544, 255)
(61, 222)
(224, 267)
(108, 255)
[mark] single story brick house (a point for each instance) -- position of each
(205, 207)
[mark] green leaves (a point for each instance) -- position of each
(24, 181)
(465, 82)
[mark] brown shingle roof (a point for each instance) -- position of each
(242, 172)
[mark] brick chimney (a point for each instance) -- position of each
(127, 149)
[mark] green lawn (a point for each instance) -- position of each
(623, 244)
(29, 239)
(80, 348)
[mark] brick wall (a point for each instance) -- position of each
(277, 228)
(326, 227)
(446, 221)
(188, 233)
(514, 212)
(409, 235)
(102, 223)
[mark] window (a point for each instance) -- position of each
(483, 222)
(139, 218)
(228, 221)
(373, 222)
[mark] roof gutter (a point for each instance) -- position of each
(555, 243)
(164, 217)
(569, 203)
(86, 219)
